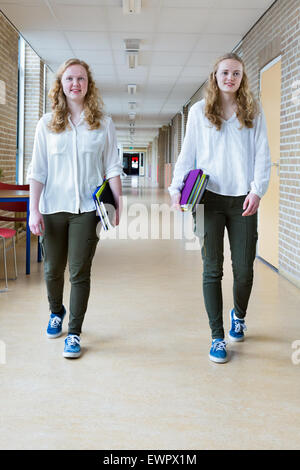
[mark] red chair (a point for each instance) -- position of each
(19, 206)
(13, 206)
(5, 234)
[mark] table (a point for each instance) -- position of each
(12, 195)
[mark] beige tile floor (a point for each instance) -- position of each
(144, 380)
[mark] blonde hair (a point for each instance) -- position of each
(247, 107)
(93, 104)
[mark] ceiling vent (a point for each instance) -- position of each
(132, 105)
(132, 7)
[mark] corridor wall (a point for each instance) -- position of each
(278, 34)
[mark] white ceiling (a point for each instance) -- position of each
(180, 40)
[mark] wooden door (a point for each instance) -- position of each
(268, 216)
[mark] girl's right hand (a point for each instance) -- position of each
(176, 201)
(36, 223)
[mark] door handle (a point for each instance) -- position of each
(276, 164)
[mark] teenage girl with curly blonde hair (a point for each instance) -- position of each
(226, 136)
(75, 147)
(93, 104)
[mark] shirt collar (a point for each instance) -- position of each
(81, 120)
(232, 118)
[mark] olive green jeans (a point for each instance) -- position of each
(222, 212)
(69, 238)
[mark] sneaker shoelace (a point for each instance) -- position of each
(219, 345)
(55, 322)
(239, 326)
(72, 340)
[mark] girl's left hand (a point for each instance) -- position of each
(117, 217)
(118, 212)
(116, 187)
(251, 204)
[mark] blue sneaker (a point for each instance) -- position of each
(237, 329)
(72, 346)
(218, 351)
(54, 329)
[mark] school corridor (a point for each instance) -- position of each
(144, 379)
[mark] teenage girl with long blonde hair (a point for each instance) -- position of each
(226, 135)
(75, 147)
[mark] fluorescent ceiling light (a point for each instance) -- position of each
(131, 89)
(132, 60)
(132, 7)
(132, 47)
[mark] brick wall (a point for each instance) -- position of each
(33, 106)
(162, 152)
(185, 116)
(175, 137)
(278, 33)
(9, 102)
(50, 76)
(289, 244)
(34, 100)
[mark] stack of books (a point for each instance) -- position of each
(105, 204)
(193, 190)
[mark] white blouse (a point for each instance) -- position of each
(236, 160)
(72, 164)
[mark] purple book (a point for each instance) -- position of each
(188, 185)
